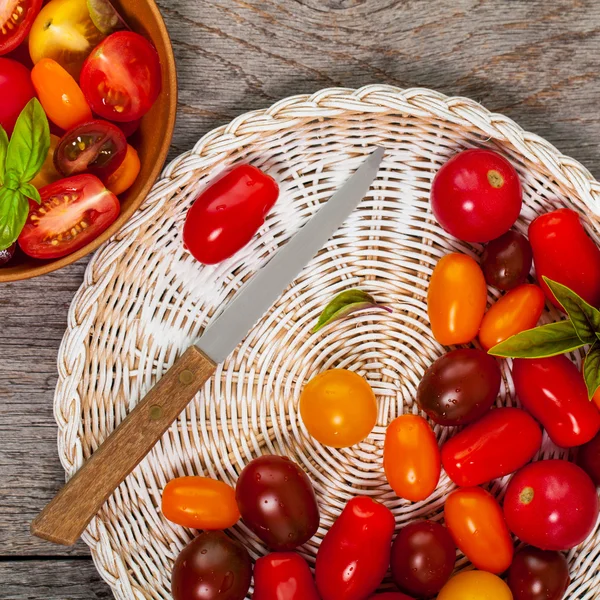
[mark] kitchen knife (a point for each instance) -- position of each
(65, 518)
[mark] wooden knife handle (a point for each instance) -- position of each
(66, 517)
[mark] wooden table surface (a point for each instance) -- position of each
(536, 61)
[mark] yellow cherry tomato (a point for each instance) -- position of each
(48, 174)
(456, 300)
(475, 585)
(124, 177)
(338, 408)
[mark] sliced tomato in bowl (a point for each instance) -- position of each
(73, 212)
(16, 19)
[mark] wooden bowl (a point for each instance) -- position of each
(152, 141)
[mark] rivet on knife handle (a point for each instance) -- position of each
(66, 517)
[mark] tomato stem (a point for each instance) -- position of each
(526, 496)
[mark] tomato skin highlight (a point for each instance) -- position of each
(477, 525)
(16, 90)
(456, 300)
(228, 213)
(553, 391)
(563, 252)
(476, 196)
(500, 443)
(26, 12)
(551, 504)
(519, 310)
(283, 576)
(506, 261)
(475, 585)
(355, 553)
(411, 458)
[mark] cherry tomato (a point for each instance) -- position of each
(518, 310)
(506, 261)
(283, 576)
(7, 254)
(16, 90)
(129, 127)
(538, 575)
(227, 214)
(212, 567)
(552, 505)
(277, 502)
(73, 212)
(338, 408)
(97, 147)
(501, 442)
(588, 458)
(475, 585)
(48, 174)
(411, 458)
(553, 391)
(423, 557)
(476, 196)
(64, 32)
(60, 95)
(355, 553)
(125, 176)
(200, 502)
(456, 300)
(122, 77)
(460, 387)
(16, 18)
(477, 525)
(563, 252)
(390, 596)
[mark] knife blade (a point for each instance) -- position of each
(65, 518)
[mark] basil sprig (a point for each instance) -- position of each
(582, 328)
(20, 161)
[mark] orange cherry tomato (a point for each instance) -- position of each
(477, 525)
(456, 300)
(124, 177)
(518, 310)
(475, 585)
(60, 95)
(200, 503)
(338, 408)
(411, 458)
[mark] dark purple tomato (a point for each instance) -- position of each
(506, 261)
(7, 254)
(588, 458)
(423, 557)
(277, 502)
(460, 387)
(538, 575)
(212, 567)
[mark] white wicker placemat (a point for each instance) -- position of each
(144, 300)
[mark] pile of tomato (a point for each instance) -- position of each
(95, 80)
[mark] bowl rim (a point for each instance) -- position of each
(171, 90)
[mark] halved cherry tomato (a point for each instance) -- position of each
(475, 585)
(124, 177)
(73, 212)
(456, 300)
(200, 502)
(122, 77)
(60, 96)
(48, 173)
(518, 310)
(97, 147)
(64, 32)
(16, 90)
(16, 18)
(477, 525)
(411, 458)
(283, 576)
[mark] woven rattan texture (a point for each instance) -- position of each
(144, 300)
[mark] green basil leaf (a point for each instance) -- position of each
(3, 149)
(547, 340)
(14, 209)
(30, 191)
(591, 370)
(585, 318)
(29, 144)
(105, 16)
(344, 304)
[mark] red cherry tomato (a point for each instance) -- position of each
(552, 505)
(16, 18)
(283, 576)
(563, 252)
(16, 90)
(355, 553)
(553, 391)
(476, 196)
(477, 525)
(498, 444)
(228, 213)
(588, 458)
(73, 212)
(121, 78)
